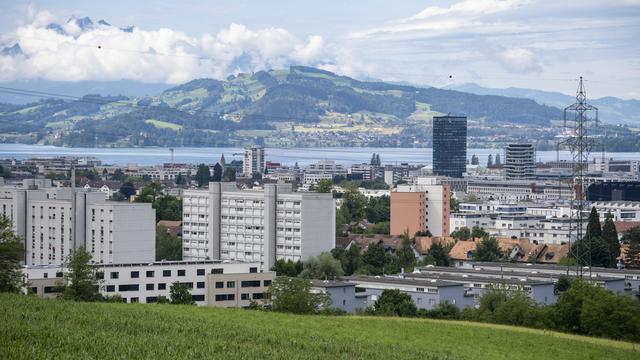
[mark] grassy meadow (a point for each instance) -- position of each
(33, 328)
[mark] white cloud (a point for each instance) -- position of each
(519, 60)
(163, 55)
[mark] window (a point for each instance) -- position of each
(253, 269)
(135, 274)
(217, 271)
(152, 299)
(50, 289)
(244, 296)
(150, 274)
(134, 300)
(189, 285)
(225, 297)
(99, 275)
(162, 286)
(59, 274)
(200, 272)
(231, 284)
(267, 282)
(128, 287)
(115, 275)
(219, 284)
(200, 285)
(150, 286)
(198, 297)
(111, 288)
(258, 296)
(251, 283)
(166, 273)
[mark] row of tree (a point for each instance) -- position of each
(204, 174)
(582, 308)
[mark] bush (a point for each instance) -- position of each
(395, 303)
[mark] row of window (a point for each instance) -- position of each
(151, 273)
(232, 297)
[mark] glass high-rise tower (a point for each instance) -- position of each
(450, 145)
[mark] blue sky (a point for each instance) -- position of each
(495, 43)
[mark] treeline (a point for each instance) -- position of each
(582, 308)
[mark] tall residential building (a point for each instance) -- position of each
(253, 161)
(520, 161)
(449, 145)
(52, 225)
(420, 207)
(226, 223)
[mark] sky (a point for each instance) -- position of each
(542, 44)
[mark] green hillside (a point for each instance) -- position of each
(35, 328)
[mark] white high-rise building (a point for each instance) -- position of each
(253, 161)
(226, 223)
(520, 161)
(51, 226)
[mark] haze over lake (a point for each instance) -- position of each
(303, 156)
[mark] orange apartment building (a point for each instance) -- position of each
(420, 207)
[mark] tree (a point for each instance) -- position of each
(118, 175)
(439, 254)
(168, 247)
(353, 205)
(478, 233)
(287, 268)
(11, 253)
(454, 205)
(562, 285)
(323, 266)
(149, 193)
(217, 172)
(498, 162)
(405, 254)
(374, 258)
(229, 174)
(426, 233)
(293, 295)
(168, 207)
(392, 302)
(475, 160)
(180, 294)
(128, 189)
(487, 250)
(490, 161)
(81, 282)
(353, 260)
(610, 236)
(180, 180)
(117, 196)
(378, 209)
(203, 175)
(632, 252)
(324, 186)
(593, 226)
(461, 234)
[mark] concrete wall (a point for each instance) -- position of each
(239, 286)
(318, 224)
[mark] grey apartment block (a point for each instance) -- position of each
(520, 161)
(341, 293)
(54, 221)
(449, 145)
(226, 223)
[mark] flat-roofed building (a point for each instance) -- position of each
(421, 207)
(226, 223)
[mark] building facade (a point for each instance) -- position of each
(253, 161)
(421, 207)
(210, 282)
(226, 223)
(449, 145)
(55, 221)
(520, 161)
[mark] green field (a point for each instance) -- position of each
(163, 124)
(33, 328)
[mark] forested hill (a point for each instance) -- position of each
(290, 104)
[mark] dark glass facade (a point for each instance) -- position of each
(449, 145)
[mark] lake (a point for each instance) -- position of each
(303, 156)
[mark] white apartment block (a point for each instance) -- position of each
(437, 205)
(52, 226)
(226, 223)
(253, 161)
(212, 283)
(518, 190)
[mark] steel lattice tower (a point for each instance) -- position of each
(580, 144)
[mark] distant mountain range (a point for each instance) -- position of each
(611, 110)
(299, 106)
